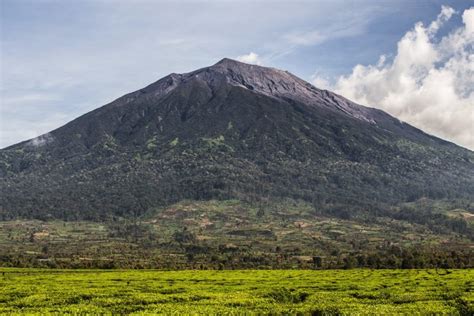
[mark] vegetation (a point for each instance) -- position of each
(206, 137)
(236, 167)
(335, 292)
(231, 234)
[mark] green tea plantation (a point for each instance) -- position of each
(231, 292)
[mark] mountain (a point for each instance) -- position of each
(229, 131)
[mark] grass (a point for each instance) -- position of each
(323, 292)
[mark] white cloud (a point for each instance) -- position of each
(41, 140)
(321, 82)
(445, 14)
(468, 19)
(429, 83)
(251, 58)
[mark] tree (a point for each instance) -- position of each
(184, 236)
(317, 262)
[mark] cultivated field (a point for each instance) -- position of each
(239, 235)
(322, 292)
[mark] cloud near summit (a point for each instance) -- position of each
(429, 83)
(250, 58)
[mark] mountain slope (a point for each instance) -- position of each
(231, 130)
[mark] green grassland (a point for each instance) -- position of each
(305, 292)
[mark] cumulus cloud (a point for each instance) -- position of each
(251, 58)
(429, 83)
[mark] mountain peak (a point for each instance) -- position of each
(224, 132)
(266, 80)
(283, 85)
(271, 82)
(228, 61)
(238, 66)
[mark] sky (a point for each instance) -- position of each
(412, 59)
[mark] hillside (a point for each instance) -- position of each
(229, 131)
(236, 165)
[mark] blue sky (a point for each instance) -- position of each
(60, 59)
